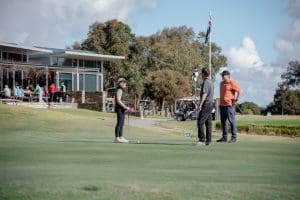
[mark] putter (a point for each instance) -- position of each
(196, 131)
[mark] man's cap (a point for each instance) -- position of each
(120, 80)
(225, 72)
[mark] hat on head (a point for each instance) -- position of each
(225, 72)
(120, 80)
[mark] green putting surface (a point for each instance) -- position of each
(70, 154)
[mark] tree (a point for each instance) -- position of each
(177, 49)
(287, 95)
(111, 37)
(167, 86)
(249, 108)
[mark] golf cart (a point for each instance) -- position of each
(186, 109)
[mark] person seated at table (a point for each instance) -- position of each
(27, 92)
(7, 92)
(19, 92)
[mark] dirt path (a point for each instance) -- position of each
(148, 123)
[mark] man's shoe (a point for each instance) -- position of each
(207, 143)
(222, 140)
(233, 140)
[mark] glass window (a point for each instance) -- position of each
(54, 61)
(60, 61)
(74, 62)
(4, 55)
(14, 57)
(67, 79)
(24, 58)
(90, 82)
(98, 64)
(68, 62)
(81, 63)
(90, 63)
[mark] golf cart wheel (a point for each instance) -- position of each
(179, 118)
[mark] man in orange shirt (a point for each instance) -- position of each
(230, 92)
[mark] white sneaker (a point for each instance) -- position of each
(200, 143)
(118, 140)
(123, 140)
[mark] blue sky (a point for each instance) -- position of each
(236, 26)
(232, 20)
(258, 37)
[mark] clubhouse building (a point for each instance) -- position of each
(79, 70)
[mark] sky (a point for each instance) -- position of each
(258, 37)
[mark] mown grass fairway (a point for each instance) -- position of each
(69, 154)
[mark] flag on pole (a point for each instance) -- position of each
(208, 31)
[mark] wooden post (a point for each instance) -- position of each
(141, 112)
(103, 101)
(82, 96)
(1, 77)
(14, 81)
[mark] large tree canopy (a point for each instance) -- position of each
(178, 50)
(287, 95)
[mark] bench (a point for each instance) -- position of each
(15, 101)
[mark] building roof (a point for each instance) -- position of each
(23, 48)
(82, 54)
(67, 53)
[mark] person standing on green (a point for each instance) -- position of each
(205, 108)
(120, 109)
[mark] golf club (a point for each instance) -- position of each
(135, 141)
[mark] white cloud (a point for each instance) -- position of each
(288, 42)
(56, 23)
(257, 79)
(247, 55)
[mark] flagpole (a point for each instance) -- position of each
(209, 64)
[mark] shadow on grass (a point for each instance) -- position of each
(130, 143)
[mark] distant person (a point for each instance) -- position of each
(120, 109)
(31, 87)
(63, 91)
(7, 92)
(27, 92)
(15, 89)
(20, 92)
(230, 92)
(44, 91)
(38, 90)
(205, 108)
(51, 90)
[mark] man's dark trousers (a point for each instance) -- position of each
(205, 118)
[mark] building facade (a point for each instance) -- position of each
(79, 70)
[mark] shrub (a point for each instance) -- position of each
(266, 129)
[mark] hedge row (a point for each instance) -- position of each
(267, 129)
